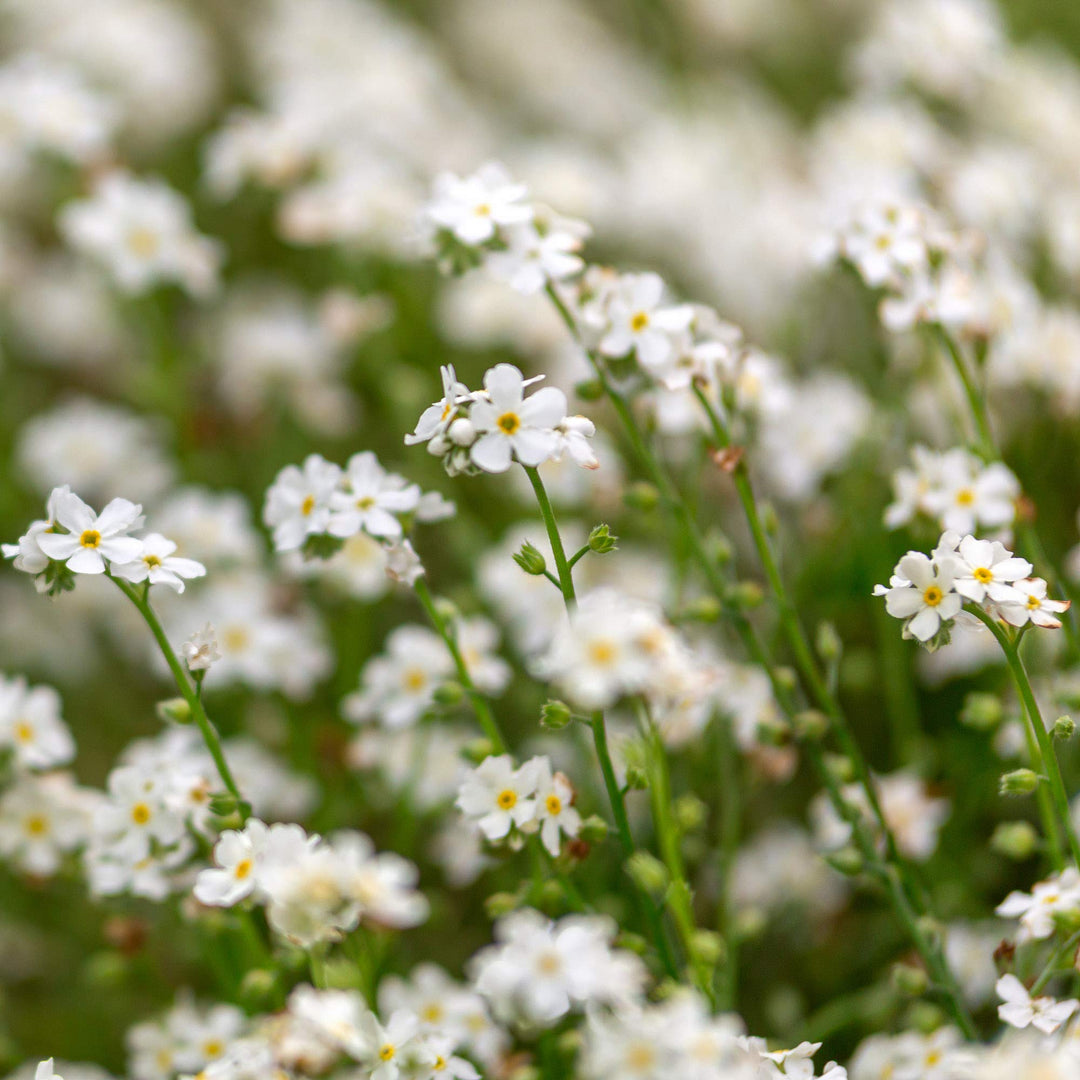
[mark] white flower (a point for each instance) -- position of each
(574, 434)
(31, 727)
(93, 538)
(1036, 910)
(237, 855)
(403, 564)
(141, 230)
(158, 565)
(201, 649)
(382, 1049)
(975, 495)
(536, 256)
(511, 425)
(637, 321)
(371, 499)
(887, 242)
(985, 568)
(1020, 1009)
(44, 1071)
(436, 418)
(474, 206)
(1029, 603)
(922, 593)
(298, 502)
(498, 797)
(554, 808)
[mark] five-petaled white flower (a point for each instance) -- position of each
(473, 207)
(1020, 1009)
(157, 564)
(923, 593)
(371, 499)
(92, 538)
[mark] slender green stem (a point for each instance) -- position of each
(479, 703)
(190, 694)
(1050, 970)
(1048, 761)
(562, 566)
(727, 765)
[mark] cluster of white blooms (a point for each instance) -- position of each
(1021, 1010)
(398, 686)
(955, 489)
(929, 591)
(539, 970)
(505, 803)
(186, 1039)
(486, 430)
(318, 507)
(913, 816)
(1037, 910)
(141, 232)
(314, 889)
(43, 819)
(74, 539)
(613, 646)
(32, 731)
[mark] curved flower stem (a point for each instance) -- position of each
(1047, 759)
(903, 892)
(598, 727)
(479, 703)
(1065, 949)
(190, 695)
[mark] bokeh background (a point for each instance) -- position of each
(712, 140)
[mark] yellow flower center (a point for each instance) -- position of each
(152, 561)
(414, 679)
(507, 799)
(307, 505)
(965, 497)
(212, 1048)
(640, 1056)
(602, 652)
(1032, 603)
(639, 321)
(24, 732)
(933, 596)
(365, 503)
(431, 1013)
(549, 963)
(483, 209)
(440, 1063)
(90, 538)
(234, 638)
(143, 242)
(243, 869)
(983, 574)
(36, 825)
(509, 423)
(386, 1052)
(553, 804)
(140, 813)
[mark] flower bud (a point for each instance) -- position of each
(449, 693)
(258, 989)
(706, 609)
(840, 768)
(829, 645)
(1019, 782)
(555, 715)
(910, 980)
(648, 873)
(720, 550)
(690, 812)
(1064, 728)
(501, 903)
(848, 861)
(461, 432)
(773, 730)
(708, 946)
(811, 724)
(637, 779)
(476, 750)
(981, 712)
(589, 390)
(1015, 840)
(175, 710)
(594, 829)
(746, 595)
(530, 559)
(601, 540)
(641, 496)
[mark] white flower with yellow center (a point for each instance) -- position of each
(636, 321)
(985, 568)
(385, 1050)
(136, 814)
(372, 501)
(473, 207)
(554, 808)
(30, 725)
(91, 538)
(237, 855)
(512, 426)
(497, 797)
(158, 564)
(1036, 910)
(1030, 603)
(922, 592)
(298, 502)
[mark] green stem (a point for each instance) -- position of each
(1048, 761)
(193, 699)
(727, 761)
(1059, 954)
(479, 703)
(562, 566)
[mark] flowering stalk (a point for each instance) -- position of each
(190, 694)
(596, 722)
(480, 705)
(1010, 645)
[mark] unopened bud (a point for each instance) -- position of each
(746, 595)
(593, 829)
(475, 750)
(1015, 840)
(175, 710)
(706, 609)
(829, 645)
(589, 390)
(258, 988)
(641, 496)
(530, 559)
(1064, 728)
(773, 730)
(910, 980)
(840, 768)
(601, 540)
(708, 946)
(461, 432)
(501, 903)
(847, 861)
(690, 812)
(1019, 782)
(637, 779)
(720, 550)
(981, 712)
(786, 678)
(555, 715)
(449, 693)
(812, 725)
(648, 873)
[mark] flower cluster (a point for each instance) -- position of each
(313, 889)
(486, 430)
(929, 591)
(506, 803)
(74, 539)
